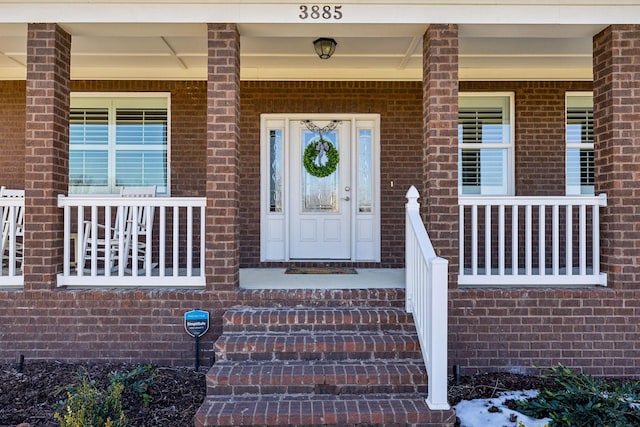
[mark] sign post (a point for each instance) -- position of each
(196, 323)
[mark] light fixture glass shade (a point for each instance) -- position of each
(324, 47)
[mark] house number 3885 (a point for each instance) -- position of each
(317, 11)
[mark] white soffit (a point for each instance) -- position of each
(285, 52)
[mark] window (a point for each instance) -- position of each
(579, 136)
(118, 141)
(485, 141)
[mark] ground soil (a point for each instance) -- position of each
(32, 394)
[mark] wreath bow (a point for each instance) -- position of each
(321, 147)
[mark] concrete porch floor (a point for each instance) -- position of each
(367, 278)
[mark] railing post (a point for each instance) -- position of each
(412, 205)
(437, 326)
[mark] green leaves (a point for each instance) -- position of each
(88, 406)
(582, 400)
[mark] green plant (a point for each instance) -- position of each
(139, 381)
(582, 400)
(86, 406)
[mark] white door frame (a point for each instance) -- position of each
(274, 222)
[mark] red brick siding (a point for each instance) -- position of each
(616, 61)
(440, 158)
(222, 158)
(46, 151)
(515, 329)
(12, 130)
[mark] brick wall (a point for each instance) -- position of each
(616, 59)
(515, 329)
(490, 329)
(222, 227)
(398, 103)
(46, 151)
(12, 122)
(440, 152)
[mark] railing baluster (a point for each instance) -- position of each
(487, 239)
(461, 239)
(107, 241)
(94, 240)
(501, 240)
(527, 244)
(595, 218)
(514, 240)
(189, 241)
(176, 231)
(474, 240)
(163, 241)
(80, 253)
(148, 247)
(555, 236)
(569, 240)
(542, 263)
(583, 240)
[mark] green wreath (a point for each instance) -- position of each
(310, 159)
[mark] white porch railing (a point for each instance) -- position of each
(11, 242)
(530, 241)
(170, 252)
(426, 299)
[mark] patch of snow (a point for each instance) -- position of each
(476, 413)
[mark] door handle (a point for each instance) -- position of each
(346, 199)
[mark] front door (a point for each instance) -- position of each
(321, 206)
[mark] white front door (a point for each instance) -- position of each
(320, 222)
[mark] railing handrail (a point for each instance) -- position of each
(12, 201)
(426, 299)
(130, 201)
(599, 200)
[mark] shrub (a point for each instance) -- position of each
(87, 406)
(582, 400)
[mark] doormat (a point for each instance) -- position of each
(320, 270)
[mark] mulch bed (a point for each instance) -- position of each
(32, 396)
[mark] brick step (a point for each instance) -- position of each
(317, 319)
(320, 377)
(317, 346)
(320, 410)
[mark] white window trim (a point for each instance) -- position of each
(111, 95)
(575, 145)
(509, 147)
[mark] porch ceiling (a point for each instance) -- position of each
(285, 51)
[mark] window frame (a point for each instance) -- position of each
(108, 100)
(576, 145)
(509, 147)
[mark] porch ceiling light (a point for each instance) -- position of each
(324, 47)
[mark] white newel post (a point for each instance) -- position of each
(412, 205)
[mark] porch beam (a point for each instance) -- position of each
(46, 152)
